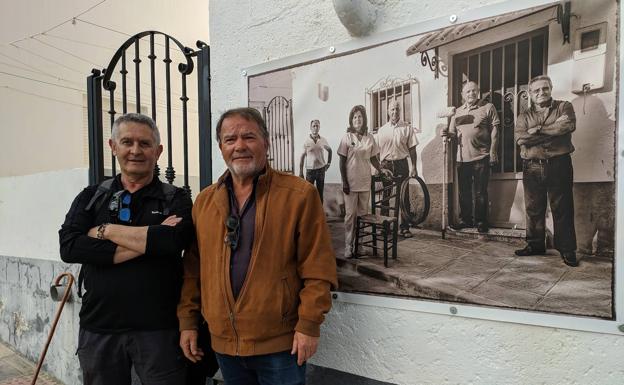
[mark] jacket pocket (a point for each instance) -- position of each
(286, 298)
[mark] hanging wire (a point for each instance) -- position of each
(61, 23)
(111, 29)
(66, 52)
(42, 96)
(40, 81)
(47, 59)
(87, 43)
(28, 65)
(67, 67)
(27, 70)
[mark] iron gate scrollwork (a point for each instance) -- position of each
(101, 80)
(279, 121)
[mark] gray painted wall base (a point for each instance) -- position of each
(27, 312)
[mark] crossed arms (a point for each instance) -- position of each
(121, 243)
(531, 134)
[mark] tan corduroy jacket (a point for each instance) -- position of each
(288, 282)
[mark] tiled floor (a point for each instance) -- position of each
(16, 370)
(481, 271)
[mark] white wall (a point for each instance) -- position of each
(347, 78)
(32, 209)
(43, 125)
(387, 344)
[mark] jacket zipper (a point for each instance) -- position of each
(225, 297)
(235, 332)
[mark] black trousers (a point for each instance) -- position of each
(474, 175)
(317, 178)
(399, 168)
(549, 180)
(107, 359)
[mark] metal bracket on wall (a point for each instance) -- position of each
(563, 17)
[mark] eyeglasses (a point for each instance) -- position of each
(233, 225)
(120, 205)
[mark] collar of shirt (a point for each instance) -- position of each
(469, 107)
(230, 186)
(152, 189)
(549, 107)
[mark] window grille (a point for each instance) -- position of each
(503, 71)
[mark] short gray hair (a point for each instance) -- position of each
(541, 77)
(133, 117)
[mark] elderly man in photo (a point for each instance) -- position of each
(267, 263)
(397, 142)
(544, 133)
(313, 149)
(128, 233)
(475, 124)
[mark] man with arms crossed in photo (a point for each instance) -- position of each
(544, 133)
(128, 233)
(313, 156)
(267, 264)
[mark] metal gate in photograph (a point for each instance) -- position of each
(279, 121)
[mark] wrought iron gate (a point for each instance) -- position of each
(279, 120)
(120, 70)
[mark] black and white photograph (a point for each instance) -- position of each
(471, 164)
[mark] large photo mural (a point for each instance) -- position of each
(471, 164)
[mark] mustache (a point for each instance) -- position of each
(242, 154)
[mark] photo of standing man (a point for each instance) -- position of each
(475, 125)
(397, 142)
(544, 133)
(312, 154)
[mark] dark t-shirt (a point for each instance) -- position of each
(140, 294)
(241, 256)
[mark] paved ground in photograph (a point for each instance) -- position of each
(16, 370)
(480, 270)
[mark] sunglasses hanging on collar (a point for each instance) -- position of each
(119, 206)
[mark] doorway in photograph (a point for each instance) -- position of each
(503, 71)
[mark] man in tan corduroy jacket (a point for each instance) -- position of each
(263, 265)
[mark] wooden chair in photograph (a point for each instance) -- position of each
(374, 227)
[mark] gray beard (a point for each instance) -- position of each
(246, 171)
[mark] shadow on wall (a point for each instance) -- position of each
(432, 157)
(432, 162)
(594, 203)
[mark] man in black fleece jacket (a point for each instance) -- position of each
(129, 240)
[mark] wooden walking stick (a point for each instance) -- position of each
(53, 291)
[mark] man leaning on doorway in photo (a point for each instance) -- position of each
(475, 124)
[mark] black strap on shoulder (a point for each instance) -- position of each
(99, 197)
(169, 190)
(102, 190)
